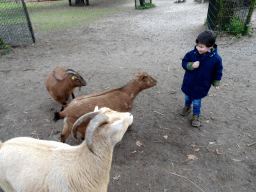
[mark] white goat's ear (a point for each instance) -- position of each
(96, 109)
(117, 131)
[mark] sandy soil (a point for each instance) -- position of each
(108, 53)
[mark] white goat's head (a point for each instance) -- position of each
(112, 124)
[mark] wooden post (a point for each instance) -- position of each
(249, 17)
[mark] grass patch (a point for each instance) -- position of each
(147, 6)
(59, 15)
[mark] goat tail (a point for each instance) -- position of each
(56, 116)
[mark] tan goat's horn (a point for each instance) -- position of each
(71, 71)
(94, 123)
(81, 119)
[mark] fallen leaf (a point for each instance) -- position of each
(138, 143)
(217, 151)
(207, 121)
(117, 176)
(212, 95)
(166, 136)
(25, 112)
(212, 117)
(192, 157)
(211, 143)
(197, 149)
(193, 144)
(47, 120)
(248, 109)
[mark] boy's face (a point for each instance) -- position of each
(201, 48)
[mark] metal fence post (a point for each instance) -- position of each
(28, 21)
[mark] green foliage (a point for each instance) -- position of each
(1, 41)
(147, 6)
(236, 27)
(3, 48)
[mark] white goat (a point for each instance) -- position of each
(32, 165)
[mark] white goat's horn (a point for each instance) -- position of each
(93, 125)
(85, 117)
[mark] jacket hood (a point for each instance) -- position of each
(208, 54)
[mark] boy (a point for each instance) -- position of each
(203, 67)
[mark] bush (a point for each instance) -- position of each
(236, 27)
(3, 48)
(147, 5)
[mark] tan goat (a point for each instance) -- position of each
(33, 165)
(118, 99)
(61, 82)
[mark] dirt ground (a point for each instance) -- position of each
(154, 156)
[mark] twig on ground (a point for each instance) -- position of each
(5, 71)
(250, 144)
(51, 132)
(28, 69)
(188, 180)
(34, 134)
(158, 113)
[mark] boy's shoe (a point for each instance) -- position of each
(196, 121)
(186, 110)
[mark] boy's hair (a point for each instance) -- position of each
(207, 38)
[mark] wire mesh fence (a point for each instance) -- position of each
(15, 25)
(229, 15)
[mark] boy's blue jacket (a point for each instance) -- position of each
(197, 82)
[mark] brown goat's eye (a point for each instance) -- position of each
(73, 77)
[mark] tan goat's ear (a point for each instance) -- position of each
(117, 131)
(73, 77)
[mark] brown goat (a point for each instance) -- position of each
(61, 82)
(118, 99)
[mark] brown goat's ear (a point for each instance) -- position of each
(144, 77)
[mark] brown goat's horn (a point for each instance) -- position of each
(94, 123)
(87, 116)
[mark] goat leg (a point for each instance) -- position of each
(63, 104)
(73, 96)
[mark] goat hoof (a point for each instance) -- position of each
(129, 129)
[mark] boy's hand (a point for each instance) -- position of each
(217, 87)
(195, 64)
